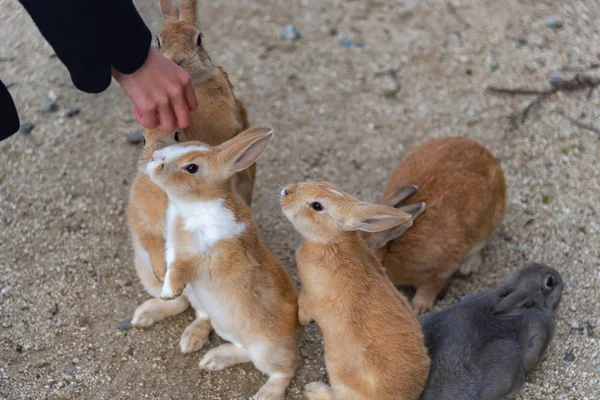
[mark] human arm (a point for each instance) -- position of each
(97, 39)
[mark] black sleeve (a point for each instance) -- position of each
(9, 119)
(90, 36)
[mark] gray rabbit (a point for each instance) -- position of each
(482, 347)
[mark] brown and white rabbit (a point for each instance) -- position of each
(219, 117)
(216, 259)
(374, 347)
(463, 186)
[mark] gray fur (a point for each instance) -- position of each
(482, 347)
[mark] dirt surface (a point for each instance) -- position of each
(413, 70)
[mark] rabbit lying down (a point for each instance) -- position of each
(482, 347)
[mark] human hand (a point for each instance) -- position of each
(161, 92)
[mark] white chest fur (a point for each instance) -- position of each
(208, 222)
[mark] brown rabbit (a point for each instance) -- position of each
(374, 348)
(463, 186)
(217, 260)
(219, 117)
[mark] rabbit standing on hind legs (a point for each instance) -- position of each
(374, 347)
(216, 259)
(219, 117)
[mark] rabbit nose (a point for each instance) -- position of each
(287, 190)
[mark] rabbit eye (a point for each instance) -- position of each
(550, 282)
(144, 140)
(316, 206)
(158, 42)
(199, 40)
(191, 168)
(177, 136)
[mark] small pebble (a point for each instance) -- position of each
(471, 113)
(386, 85)
(82, 322)
(598, 368)
(559, 109)
(125, 325)
(555, 79)
(521, 43)
(569, 357)
(574, 325)
(290, 32)
(537, 40)
(135, 137)
(69, 371)
(72, 112)
(50, 106)
(27, 127)
(494, 65)
(75, 360)
(554, 23)
(55, 309)
(347, 42)
(465, 59)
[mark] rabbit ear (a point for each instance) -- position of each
(375, 218)
(243, 150)
(399, 195)
(510, 304)
(414, 210)
(187, 11)
(170, 11)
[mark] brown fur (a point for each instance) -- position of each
(464, 190)
(374, 347)
(238, 273)
(220, 116)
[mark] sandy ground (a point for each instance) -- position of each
(416, 70)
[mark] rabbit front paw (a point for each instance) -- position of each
(154, 310)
